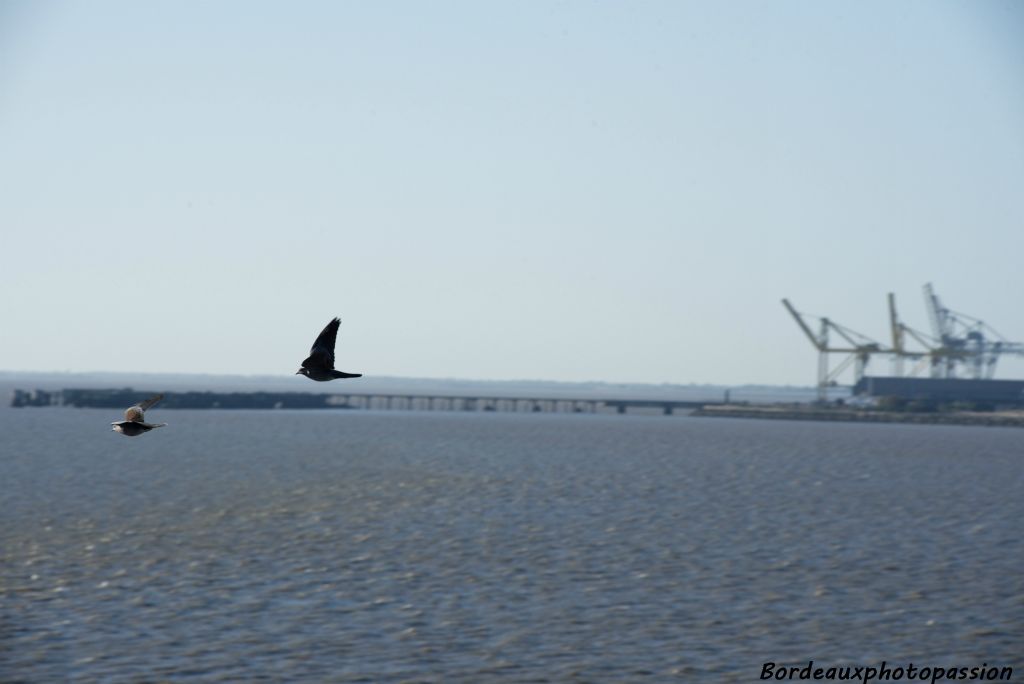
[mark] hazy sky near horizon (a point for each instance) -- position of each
(616, 191)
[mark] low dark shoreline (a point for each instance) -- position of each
(120, 398)
(853, 415)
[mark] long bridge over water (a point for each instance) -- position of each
(415, 402)
(122, 398)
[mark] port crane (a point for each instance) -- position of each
(957, 340)
(964, 340)
(931, 355)
(858, 348)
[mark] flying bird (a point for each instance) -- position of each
(320, 364)
(134, 423)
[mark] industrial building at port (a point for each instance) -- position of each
(954, 363)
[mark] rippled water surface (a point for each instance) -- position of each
(390, 547)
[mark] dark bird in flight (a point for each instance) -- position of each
(320, 364)
(134, 423)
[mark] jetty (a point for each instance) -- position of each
(843, 414)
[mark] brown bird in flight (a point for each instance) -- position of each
(134, 423)
(320, 364)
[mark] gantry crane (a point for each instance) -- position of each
(932, 355)
(965, 340)
(858, 349)
(958, 340)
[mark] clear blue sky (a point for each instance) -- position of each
(555, 190)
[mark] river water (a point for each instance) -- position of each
(344, 546)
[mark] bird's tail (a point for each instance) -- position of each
(343, 374)
(156, 425)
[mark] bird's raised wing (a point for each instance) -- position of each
(137, 413)
(321, 355)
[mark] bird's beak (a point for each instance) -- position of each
(298, 372)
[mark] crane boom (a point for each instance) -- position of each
(894, 324)
(818, 344)
(936, 313)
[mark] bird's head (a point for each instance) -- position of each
(302, 371)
